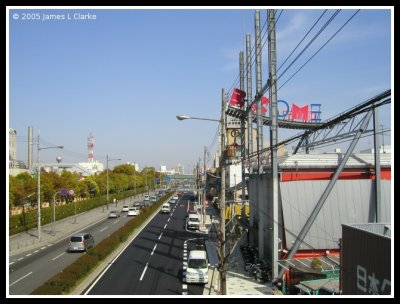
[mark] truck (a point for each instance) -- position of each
(197, 267)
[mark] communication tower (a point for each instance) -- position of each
(90, 144)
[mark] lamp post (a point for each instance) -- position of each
(38, 184)
(109, 159)
(222, 254)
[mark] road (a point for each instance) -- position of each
(29, 270)
(152, 263)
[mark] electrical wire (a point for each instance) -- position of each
(319, 49)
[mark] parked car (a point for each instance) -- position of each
(114, 214)
(80, 242)
(197, 267)
(125, 208)
(133, 211)
(172, 201)
(193, 221)
(175, 197)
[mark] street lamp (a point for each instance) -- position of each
(38, 184)
(222, 201)
(108, 160)
(183, 117)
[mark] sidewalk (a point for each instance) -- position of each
(238, 281)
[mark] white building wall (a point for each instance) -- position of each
(232, 171)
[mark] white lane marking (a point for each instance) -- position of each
(121, 252)
(103, 229)
(155, 246)
(29, 254)
(165, 226)
(184, 286)
(144, 271)
(35, 251)
(59, 241)
(11, 263)
(168, 219)
(116, 222)
(19, 259)
(43, 247)
(160, 236)
(20, 279)
(49, 245)
(58, 256)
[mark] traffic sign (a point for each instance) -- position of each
(168, 178)
(64, 192)
(71, 192)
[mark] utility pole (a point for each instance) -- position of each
(242, 137)
(204, 188)
(260, 228)
(249, 129)
(273, 141)
(222, 255)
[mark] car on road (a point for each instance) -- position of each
(193, 222)
(114, 214)
(165, 208)
(133, 211)
(125, 208)
(80, 242)
(172, 201)
(175, 197)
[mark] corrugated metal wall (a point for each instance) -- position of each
(366, 262)
(350, 201)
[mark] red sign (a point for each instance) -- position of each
(237, 98)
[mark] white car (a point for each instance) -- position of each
(125, 208)
(172, 201)
(133, 211)
(175, 197)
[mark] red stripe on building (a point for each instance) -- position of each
(320, 175)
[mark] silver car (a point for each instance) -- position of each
(81, 242)
(114, 214)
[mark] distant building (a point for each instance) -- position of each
(94, 166)
(135, 165)
(180, 169)
(15, 166)
(12, 144)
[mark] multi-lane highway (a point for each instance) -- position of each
(152, 263)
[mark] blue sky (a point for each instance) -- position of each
(126, 75)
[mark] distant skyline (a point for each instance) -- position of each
(124, 74)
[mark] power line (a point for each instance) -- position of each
(320, 48)
(305, 36)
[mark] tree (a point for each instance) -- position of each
(126, 169)
(316, 264)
